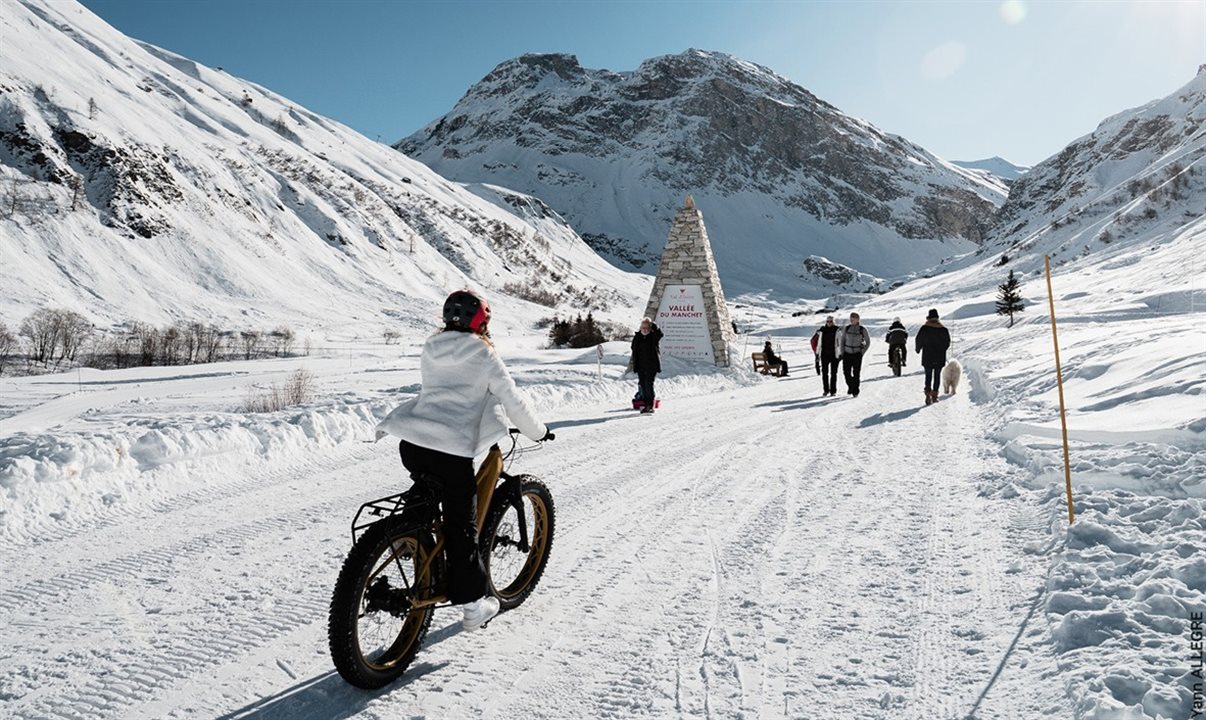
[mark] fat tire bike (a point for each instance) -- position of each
(895, 358)
(392, 580)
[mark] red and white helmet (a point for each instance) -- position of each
(466, 312)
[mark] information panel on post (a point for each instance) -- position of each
(682, 320)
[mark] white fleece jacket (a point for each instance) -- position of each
(460, 407)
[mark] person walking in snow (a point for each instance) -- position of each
(772, 359)
(647, 359)
(459, 414)
(854, 342)
(829, 349)
(932, 341)
(897, 339)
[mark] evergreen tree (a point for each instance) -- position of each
(559, 333)
(583, 333)
(1009, 298)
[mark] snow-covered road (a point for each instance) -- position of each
(758, 552)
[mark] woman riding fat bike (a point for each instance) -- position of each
(488, 548)
(458, 414)
(407, 558)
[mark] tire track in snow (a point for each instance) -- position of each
(650, 678)
(112, 529)
(123, 667)
(159, 562)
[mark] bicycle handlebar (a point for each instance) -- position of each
(515, 431)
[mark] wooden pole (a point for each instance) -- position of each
(1059, 379)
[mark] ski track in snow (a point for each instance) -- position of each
(694, 573)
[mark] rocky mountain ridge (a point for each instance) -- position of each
(779, 173)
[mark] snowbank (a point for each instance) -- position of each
(70, 477)
(1125, 577)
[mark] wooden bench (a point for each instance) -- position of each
(761, 366)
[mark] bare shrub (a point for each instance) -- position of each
(613, 330)
(211, 344)
(41, 329)
(298, 389)
(146, 337)
(282, 341)
(74, 331)
(391, 336)
(171, 341)
(531, 292)
(191, 336)
(55, 334)
(249, 341)
(8, 345)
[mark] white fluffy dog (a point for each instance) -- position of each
(950, 377)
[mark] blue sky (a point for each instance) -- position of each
(1019, 78)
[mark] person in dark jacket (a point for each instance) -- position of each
(898, 340)
(827, 347)
(646, 359)
(772, 359)
(854, 341)
(933, 340)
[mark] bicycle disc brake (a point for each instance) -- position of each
(383, 598)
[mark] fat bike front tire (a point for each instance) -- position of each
(373, 632)
(512, 572)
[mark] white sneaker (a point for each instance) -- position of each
(479, 612)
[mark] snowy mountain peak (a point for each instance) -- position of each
(781, 174)
(140, 185)
(533, 67)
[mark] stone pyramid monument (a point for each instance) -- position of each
(687, 301)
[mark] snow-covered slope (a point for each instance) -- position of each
(137, 184)
(1122, 213)
(1138, 172)
(779, 173)
(995, 167)
(1126, 203)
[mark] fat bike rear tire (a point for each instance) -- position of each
(372, 631)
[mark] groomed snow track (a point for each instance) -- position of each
(757, 553)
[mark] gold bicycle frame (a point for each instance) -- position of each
(486, 479)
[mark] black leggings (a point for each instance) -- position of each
(453, 484)
(829, 369)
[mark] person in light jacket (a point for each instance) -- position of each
(854, 340)
(461, 410)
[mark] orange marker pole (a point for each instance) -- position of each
(1059, 379)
